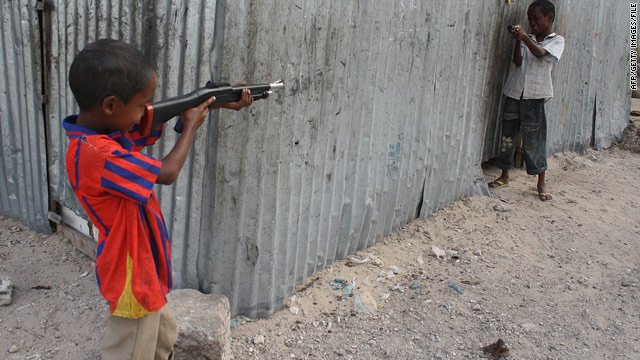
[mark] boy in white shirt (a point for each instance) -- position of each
(528, 87)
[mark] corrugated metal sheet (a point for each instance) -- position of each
(570, 112)
(388, 111)
(612, 93)
(377, 111)
(23, 160)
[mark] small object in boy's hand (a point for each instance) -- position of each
(497, 350)
(512, 28)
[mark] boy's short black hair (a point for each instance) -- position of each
(546, 7)
(108, 67)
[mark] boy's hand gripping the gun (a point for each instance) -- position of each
(193, 118)
(519, 33)
(245, 99)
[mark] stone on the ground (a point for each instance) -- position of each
(6, 291)
(294, 310)
(437, 252)
(258, 340)
(373, 260)
(203, 325)
(395, 269)
(292, 301)
(500, 207)
(355, 260)
(364, 303)
(451, 253)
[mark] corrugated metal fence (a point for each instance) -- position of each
(23, 160)
(388, 111)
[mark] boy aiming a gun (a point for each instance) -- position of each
(528, 87)
(113, 180)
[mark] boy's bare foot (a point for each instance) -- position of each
(499, 182)
(544, 196)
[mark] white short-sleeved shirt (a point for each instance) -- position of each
(532, 79)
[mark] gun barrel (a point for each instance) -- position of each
(164, 110)
(277, 85)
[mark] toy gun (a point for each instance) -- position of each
(162, 111)
(512, 28)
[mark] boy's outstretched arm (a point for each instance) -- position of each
(192, 119)
(245, 99)
(173, 162)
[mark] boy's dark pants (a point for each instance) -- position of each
(528, 116)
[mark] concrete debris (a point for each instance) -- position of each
(203, 325)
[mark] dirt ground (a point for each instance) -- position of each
(553, 280)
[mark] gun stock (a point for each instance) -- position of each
(162, 111)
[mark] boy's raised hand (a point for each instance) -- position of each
(172, 163)
(245, 99)
(519, 33)
(193, 118)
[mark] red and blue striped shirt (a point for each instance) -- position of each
(114, 183)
